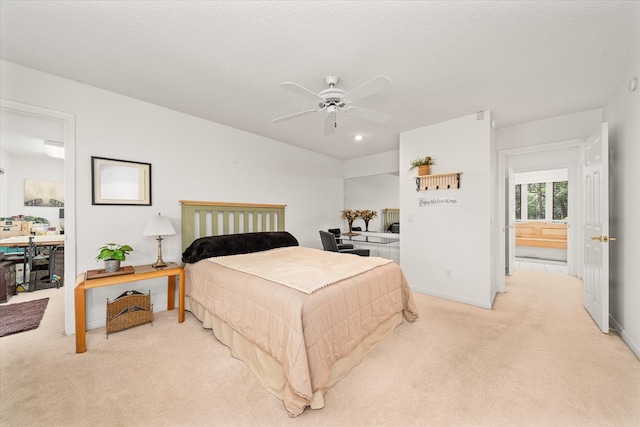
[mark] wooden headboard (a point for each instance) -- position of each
(202, 219)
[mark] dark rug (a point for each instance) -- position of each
(22, 316)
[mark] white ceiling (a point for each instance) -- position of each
(223, 61)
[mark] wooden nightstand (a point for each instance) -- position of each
(141, 272)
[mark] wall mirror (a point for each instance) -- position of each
(375, 192)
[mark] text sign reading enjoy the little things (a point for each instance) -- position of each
(437, 201)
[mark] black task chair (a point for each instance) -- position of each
(329, 244)
(341, 244)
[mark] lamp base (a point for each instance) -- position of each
(159, 264)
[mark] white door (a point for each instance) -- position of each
(595, 269)
(511, 228)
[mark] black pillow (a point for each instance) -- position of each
(233, 244)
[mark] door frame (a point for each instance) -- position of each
(69, 126)
(575, 198)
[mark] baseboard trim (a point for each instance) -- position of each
(633, 346)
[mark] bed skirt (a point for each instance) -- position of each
(269, 371)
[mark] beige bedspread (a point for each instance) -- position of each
(300, 268)
(305, 333)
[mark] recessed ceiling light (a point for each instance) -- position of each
(358, 138)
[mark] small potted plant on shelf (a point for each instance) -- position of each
(112, 254)
(367, 215)
(423, 164)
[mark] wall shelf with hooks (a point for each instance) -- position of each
(441, 181)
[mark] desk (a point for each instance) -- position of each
(30, 243)
(141, 272)
(378, 243)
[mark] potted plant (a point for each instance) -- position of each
(423, 164)
(367, 215)
(350, 216)
(112, 254)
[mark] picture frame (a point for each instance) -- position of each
(120, 182)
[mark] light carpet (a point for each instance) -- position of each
(536, 359)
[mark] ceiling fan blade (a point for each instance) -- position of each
(294, 115)
(375, 85)
(374, 116)
(294, 87)
(330, 124)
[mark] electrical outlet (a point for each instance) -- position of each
(447, 274)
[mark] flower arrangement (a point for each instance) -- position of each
(367, 214)
(349, 215)
(113, 251)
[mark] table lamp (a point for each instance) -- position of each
(159, 225)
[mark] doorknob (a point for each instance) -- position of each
(604, 239)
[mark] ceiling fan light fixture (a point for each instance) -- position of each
(334, 99)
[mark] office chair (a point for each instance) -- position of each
(329, 244)
(339, 241)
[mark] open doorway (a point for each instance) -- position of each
(13, 189)
(563, 155)
(541, 208)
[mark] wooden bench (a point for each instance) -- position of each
(541, 234)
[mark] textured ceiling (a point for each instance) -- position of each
(223, 61)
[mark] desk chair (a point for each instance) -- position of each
(329, 244)
(341, 245)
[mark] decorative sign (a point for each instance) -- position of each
(437, 201)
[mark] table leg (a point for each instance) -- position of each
(171, 292)
(81, 332)
(181, 293)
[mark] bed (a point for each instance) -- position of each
(300, 318)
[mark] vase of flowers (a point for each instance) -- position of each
(349, 215)
(367, 215)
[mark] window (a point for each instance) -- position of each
(560, 200)
(536, 200)
(538, 205)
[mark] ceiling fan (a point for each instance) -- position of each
(333, 99)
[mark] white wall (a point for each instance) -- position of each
(383, 163)
(5, 163)
(553, 129)
(192, 159)
(454, 239)
(622, 113)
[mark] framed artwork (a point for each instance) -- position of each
(38, 192)
(120, 182)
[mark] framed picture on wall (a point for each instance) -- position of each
(120, 182)
(38, 192)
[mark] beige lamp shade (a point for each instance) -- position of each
(159, 225)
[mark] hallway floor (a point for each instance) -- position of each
(541, 265)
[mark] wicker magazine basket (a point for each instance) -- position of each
(132, 308)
